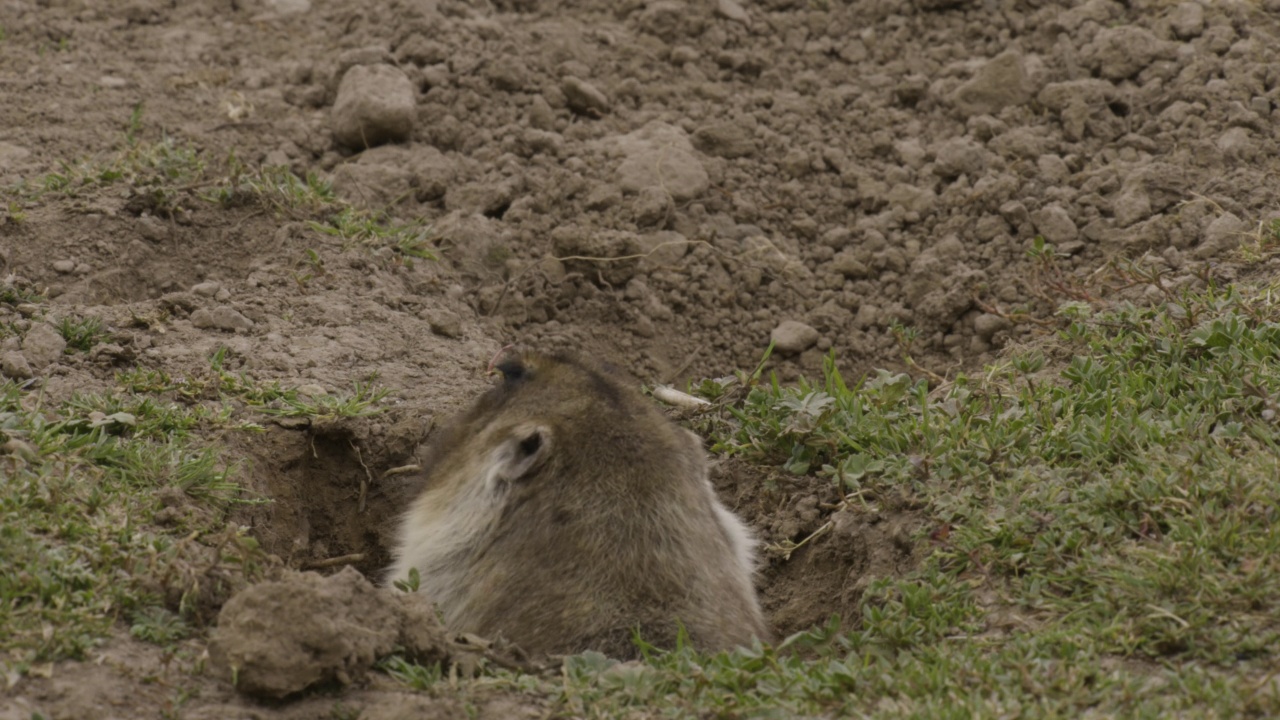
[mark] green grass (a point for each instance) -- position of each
(81, 334)
(1102, 535)
(80, 486)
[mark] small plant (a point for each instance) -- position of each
(81, 334)
(358, 403)
(159, 626)
(411, 240)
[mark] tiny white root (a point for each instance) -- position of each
(676, 398)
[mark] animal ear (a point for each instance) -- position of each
(523, 451)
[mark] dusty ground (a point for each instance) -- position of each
(664, 182)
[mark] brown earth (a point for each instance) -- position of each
(664, 182)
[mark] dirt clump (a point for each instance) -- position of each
(282, 636)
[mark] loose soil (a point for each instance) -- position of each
(665, 183)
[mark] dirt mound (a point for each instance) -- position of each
(283, 636)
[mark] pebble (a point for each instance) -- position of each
(221, 318)
(65, 267)
(14, 365)
(998, 84)
(988, 324)
(1055, 224)
(725, 139)
(446, 323)
(583, 97)
(206, 289)
(791, 337)
(375, 105)
(43, 345)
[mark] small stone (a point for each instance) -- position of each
(603, 197)
(987, 325)
(731, 10)
(1124, 51)
(206, 289)
(43, 345)
(848, 265)
(1131, 206)
(959, 156)
(111, 81)
(584, 98)
(83, 269)
(1187, 20)
(791, 337)
(222, 295)
(312, 390)
(998, 84)
(1222, 235)
(14, 365)
(220, 318)
(375, 105)
(726, 140)
(446, 323)
(652, 206)
(65, 267)
(27, 309)
(1055, 224)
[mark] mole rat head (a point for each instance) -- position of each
(548, 413)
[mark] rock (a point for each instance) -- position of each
(446, 323)
(660, 155)
(1187, 20)
(65, 267)
(1055, 224)
(731, 10)
(652, 206)
(726, 140)
(987, 325)
(1131, 206)
(43, 345)
(791, 337)
(1123, 52)
(959, 156)
(312, 390)
(847, 264)
(221, 318)
(998, 84)
(1222, 235)
(584, 98)
(278, 638)
(206, 289)
(375, 105)
(13, 364)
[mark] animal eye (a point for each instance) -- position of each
(513, 370)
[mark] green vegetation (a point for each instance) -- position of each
(167, 176)
(1103, 533)
(81, 334)
(81, 488)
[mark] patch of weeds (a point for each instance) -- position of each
(1263, 243)
(274, 186)
(413, 675)
(81, 334)
(409, 240)
(360, 402)
(81, 548)
(159, 626)
(16, 293)
(15, 213)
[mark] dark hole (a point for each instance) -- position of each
(1121, 109)
(497, 212)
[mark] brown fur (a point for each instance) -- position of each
(563, 511)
